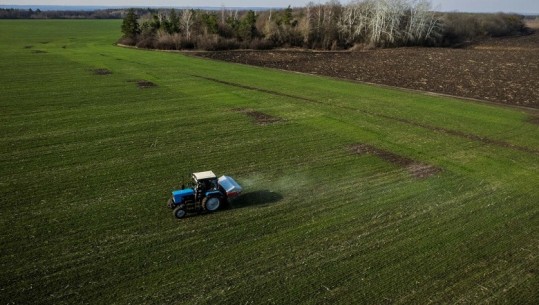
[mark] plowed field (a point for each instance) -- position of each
(502, 70)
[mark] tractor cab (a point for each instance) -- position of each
(205, 181)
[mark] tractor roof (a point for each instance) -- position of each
(204, 175)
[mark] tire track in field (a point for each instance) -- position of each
(452, 132)
(463, 135)
(256, 89)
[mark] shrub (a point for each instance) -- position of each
(187, 44)
(128, 41)
(167, 42)
(216, 43)
(261, 44)
(147, 42)
(459, 28)
(502, 25)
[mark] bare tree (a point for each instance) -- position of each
(421, 21)
(326, 25)
(387, 22)
(305, 24)
(320, 28)
(223, 11)
(186, 22)
(353, 22)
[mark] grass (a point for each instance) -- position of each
(88, 161)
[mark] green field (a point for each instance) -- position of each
(88, 162)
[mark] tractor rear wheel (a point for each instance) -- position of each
(211, 204)
(180, 212)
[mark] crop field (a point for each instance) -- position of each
(353, 194)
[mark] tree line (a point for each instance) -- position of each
(11, 13)
(328, 26)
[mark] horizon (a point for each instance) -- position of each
(130, 6)
(53, 7)
(524, 7)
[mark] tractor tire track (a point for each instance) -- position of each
(464, 135)
(256, 89)
(452, 132)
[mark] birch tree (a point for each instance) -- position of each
(387, 22)
(186, 22)
(422, 22)
(321, 23)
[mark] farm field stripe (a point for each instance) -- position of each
(452, 132)
(463, 135)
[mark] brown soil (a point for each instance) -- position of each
(501, 70)
(534, 120)
(420, 170)
(143, 84)
(260, 118)
(102, 71)
(416, 169)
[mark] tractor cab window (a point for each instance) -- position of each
(207, 185)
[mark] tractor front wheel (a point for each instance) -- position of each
(211, 204)
(180, 212)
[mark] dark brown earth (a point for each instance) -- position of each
(259, 118)
(102, 71)
(416, 169)
(143, 84)
(534, 120)
(501, 70)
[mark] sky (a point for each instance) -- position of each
(517, 6)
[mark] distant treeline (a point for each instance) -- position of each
(328, 26)
(12, 13)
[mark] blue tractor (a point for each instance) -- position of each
(207, 194)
